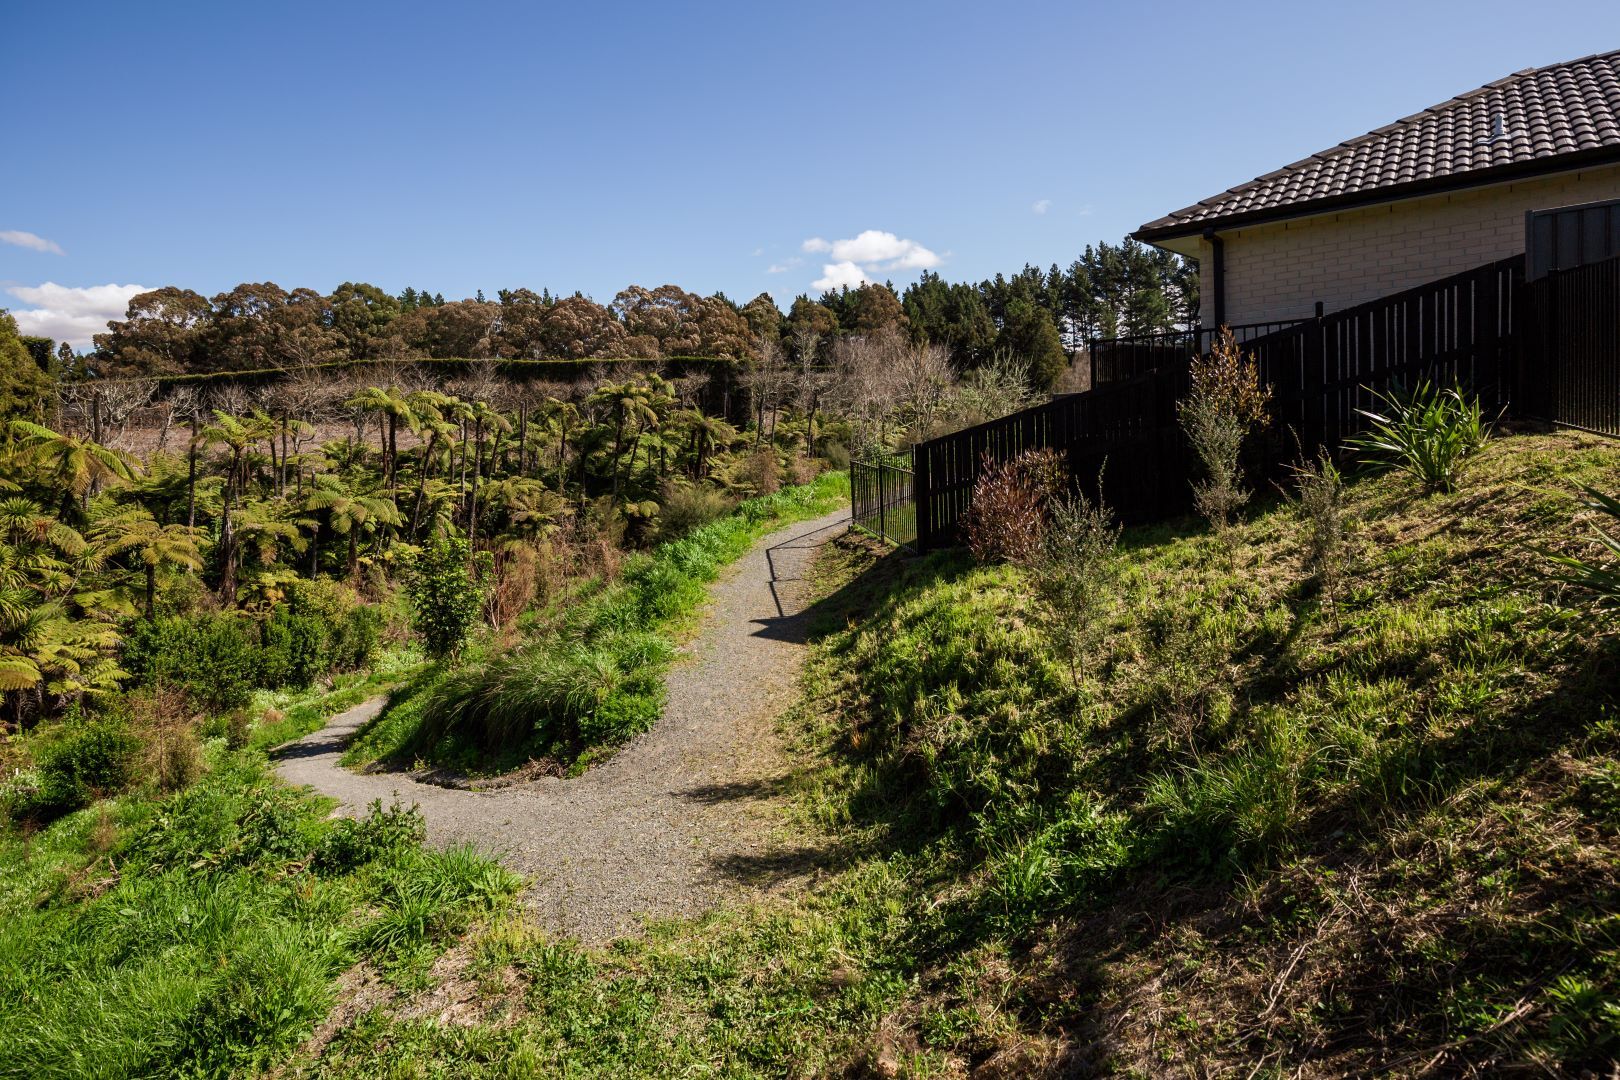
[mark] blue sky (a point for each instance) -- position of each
(474, 146)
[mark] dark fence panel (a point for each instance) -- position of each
(1458, 330)
(1118, 359)
(1570, 349)
(1121, 443)
(883, 502)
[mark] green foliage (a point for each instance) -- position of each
(24, 384)
(90, 760)
(354, 842)
(1226, 402)
(447, 593)
(1245, 771)
(214, 658)
(1598, 578)
(1071, 575)
(213, 948)
(1429, 434)
(294, 650)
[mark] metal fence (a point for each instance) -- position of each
(1570, 353)
(1122, 358)
(883, 502)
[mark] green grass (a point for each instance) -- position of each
(1264, 834)
(200, 933)
(595, 679)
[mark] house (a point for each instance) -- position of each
(1438, 193)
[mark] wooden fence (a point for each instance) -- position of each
(1121, 438)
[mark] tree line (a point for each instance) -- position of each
(1039, 316)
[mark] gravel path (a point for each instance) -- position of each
(682, 814)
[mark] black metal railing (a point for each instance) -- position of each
(883, 502)
(1122, 358)
(1570, 354)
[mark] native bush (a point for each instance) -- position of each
(1322, 510)
(353, 842)
(690, 506)
(1429, 434)
(446, 587)
(1226, 403)
(93, 759)
(294, 649)
(214, 658)
(1007, 517)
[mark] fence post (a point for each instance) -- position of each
(883, 497)
(920, 498)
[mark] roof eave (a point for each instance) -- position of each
(1496, 174)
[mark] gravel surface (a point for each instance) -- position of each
(682, 815)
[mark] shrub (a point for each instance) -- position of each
(214, 658)
(353, 842)
(1007, 517)
(1226, 402)
(295, 649)
(95, 759)
(1321, 507)
(171, 749)
(760, 471)
(688, 507)
(802, 470)
(352, 643)
(447, 594)
(1429, 434)
(836, 454)
(1071, 574)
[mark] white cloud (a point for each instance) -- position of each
(28, 240)
(876, 250)
(68, 314)
(860, 259)
(784, 266)
(840, 275)
(1040, 206)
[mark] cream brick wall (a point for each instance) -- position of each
(1280, 271)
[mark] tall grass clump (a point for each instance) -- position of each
(1429, 434)
(1597, 577)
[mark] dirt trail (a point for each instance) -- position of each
(681, 814)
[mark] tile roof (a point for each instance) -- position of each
(1526, 122)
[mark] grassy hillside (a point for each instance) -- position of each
(1264, 833)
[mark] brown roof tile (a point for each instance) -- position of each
(1527, 120)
